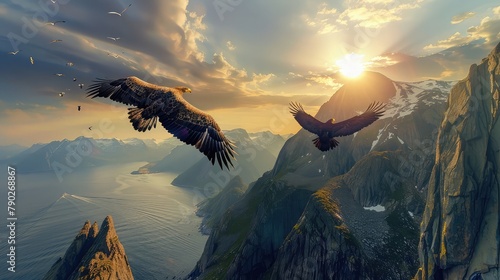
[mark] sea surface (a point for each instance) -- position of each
(155, 221)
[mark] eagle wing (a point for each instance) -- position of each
(189, 124)
(129, 91)
(354, 124)
(305, 120)
(195, 127)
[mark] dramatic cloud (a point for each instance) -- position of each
(324, 20)
(376, 13)
(496, 10)
(487, 30)
(258, 55)
(461, 17)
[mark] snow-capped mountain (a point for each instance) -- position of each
(414, 111)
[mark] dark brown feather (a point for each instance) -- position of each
(305, 120)
(374, 111)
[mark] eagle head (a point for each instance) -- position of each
(183, 89)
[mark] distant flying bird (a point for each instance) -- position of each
(186, 122)
(69, 64)
(62, 93)
(79, 107)
(90, 127)
(55, 41)
(59, 74)
(55, 22)
(328, 130)
(119, 14)
(14, 53)
(113, 55)
(113, 38)
(81, 85)
(74, 79)
(32, 60)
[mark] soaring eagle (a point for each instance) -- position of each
(328, 130)
(186, 122)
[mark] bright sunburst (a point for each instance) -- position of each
(351, 65)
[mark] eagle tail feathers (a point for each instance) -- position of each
(325, 146)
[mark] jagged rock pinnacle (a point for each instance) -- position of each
(94, 254)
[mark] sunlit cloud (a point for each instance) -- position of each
(381, 61)
(496, 10)
(324, 20)
(262, 78)
(454, 40)
(487, 30)
(376, 13)
(324, 10)
(461, 17)
(230, 46)
(325, 80)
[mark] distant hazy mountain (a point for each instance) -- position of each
(63, 156)
(260, 145)
(254, 157)
(339, 214)
(93, 254)
(271, 142)
(10, 150)
(178, 160)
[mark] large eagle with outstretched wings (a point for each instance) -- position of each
(166, 104)
(326, 131)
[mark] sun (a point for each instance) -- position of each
(351, 65)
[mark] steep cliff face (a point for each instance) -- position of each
(244, 243)
(94, 254)
(321, 246)
(213, 209)
(460, 234)
(356, 230)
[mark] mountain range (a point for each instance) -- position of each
(62, 156)
(415, 195)
(415, 191)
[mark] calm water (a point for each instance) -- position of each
(155, 221)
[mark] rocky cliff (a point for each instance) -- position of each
(213, 209)
(460, 233)
(93, 254)
(314, 214)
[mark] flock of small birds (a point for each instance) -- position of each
(69, 63)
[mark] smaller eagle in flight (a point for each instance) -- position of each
(166, 104)
(326, 131)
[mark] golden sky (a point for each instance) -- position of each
(244, 60)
